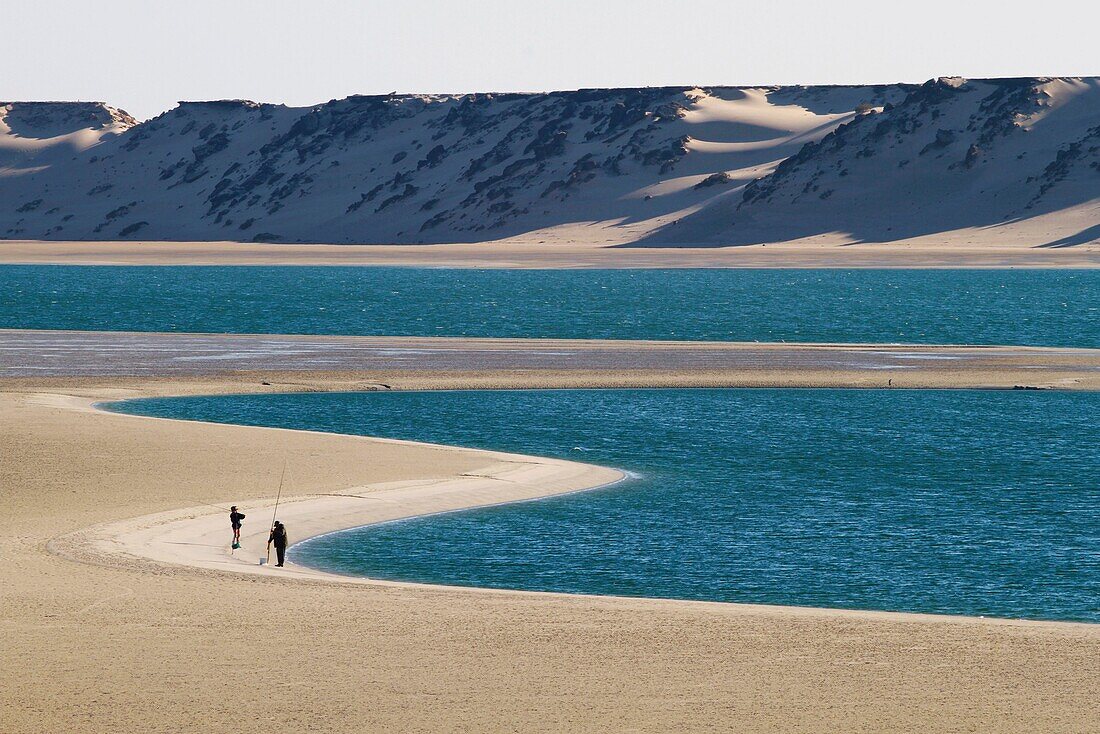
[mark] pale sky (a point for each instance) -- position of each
(144, 55)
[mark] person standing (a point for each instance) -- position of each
(278, 538)
(235, 520)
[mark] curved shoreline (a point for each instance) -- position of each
(175, 642)
(149, 538)
(196, 529)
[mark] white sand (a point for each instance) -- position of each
(199, 536)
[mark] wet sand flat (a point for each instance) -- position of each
(526, 362)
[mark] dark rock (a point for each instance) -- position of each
(550, 146)
(943, 139)
(410, 190)
(434, 157)
(500, 153)
(668, 155)
(715, 179)
(973, 153)
(131, 229)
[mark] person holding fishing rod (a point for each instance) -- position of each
(278, 538)
(278, 530)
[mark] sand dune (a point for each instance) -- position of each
(1003, 162)
(952, 162)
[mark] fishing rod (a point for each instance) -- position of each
(275, 513)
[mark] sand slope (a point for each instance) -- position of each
(961, 162)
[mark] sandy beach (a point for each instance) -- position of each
(195, 537)
(985, 250)
(101, 606)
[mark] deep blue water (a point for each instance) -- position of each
(966, 502)
(1026, 307)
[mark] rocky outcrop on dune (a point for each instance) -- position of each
(655, 165)
(37, 120)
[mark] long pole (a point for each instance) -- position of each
(275, 513)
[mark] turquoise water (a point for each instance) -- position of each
(963, 502)
(1026, 307)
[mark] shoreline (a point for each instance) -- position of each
(530, 478)
(521, 254)
(147, 538)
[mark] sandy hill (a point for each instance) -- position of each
(1001, 160)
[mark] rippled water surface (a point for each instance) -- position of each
(967, 502)
(1033, 307)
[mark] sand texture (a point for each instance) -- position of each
(108, 639)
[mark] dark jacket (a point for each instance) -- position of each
(278, 536)
(235, 519)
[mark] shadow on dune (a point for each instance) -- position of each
(1090, 235)
(701, 229)
(895, 176)
(726, 224)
